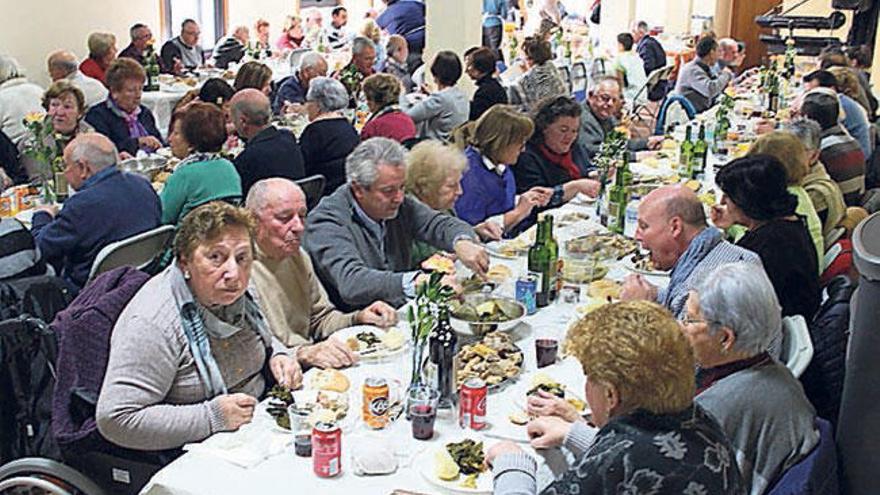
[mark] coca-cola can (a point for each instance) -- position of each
(327, 450)
(472, 404)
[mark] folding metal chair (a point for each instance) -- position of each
(641, 102)
(313, 187)
(138, 250)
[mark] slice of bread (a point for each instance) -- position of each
(332, 380)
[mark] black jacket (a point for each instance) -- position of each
(489, 92)
(325, 145)
(104, 121)
(533, 170)
(271, 153)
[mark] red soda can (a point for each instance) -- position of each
(327, 450)
(472, 404)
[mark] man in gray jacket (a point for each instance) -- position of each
(360, 237)
(696, 81)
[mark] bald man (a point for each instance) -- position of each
(268, 151)
(673, 228)
(64, 65)
(293, 299)
(109, 205)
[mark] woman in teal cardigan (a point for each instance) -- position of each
(203, 175)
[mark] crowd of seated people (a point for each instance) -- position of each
(259, 283)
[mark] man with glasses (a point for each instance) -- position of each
(140, 38)
(600, 116)
(672, 227)
(183, 52)
(360, 237)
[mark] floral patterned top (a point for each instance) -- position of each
(642, 453)
(352, 79)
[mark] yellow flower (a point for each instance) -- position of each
(509, 27)
(623, 130)
(34, 117)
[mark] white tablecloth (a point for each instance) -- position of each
(161, 103)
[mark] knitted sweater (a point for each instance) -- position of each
(845, 163)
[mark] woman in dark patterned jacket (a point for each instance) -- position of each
(652, 439)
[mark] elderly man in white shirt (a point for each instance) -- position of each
(64, 65)
(18, 97)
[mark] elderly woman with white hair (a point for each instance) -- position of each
(18, 97)
(329, 137)
(102, 52)
(731, 322)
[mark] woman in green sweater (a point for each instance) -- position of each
(203, 175)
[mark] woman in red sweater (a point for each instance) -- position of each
(387, 120)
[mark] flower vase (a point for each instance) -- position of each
(416, 379)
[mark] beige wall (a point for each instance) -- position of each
(453, 25)
(34, 28)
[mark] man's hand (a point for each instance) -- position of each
(178, 66)
(547, 432)
(379, 314)
(655, 142)
(331, 353)
(489, 231)
(286, 370)
(547, 404)
(237, 409)
(636, 288)
(473, 256)
(149, 142)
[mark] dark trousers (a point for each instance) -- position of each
(492, 40)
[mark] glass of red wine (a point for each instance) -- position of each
(423, 411)
(545, 351)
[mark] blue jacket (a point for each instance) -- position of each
(856, 123)
(484, 192)
(494, 12)
(406, 18)
(290, 90)
(110, 206)
(102, 118)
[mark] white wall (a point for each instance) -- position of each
(34, 28)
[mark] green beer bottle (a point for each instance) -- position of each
(553, 248)
(701, 149)
(685, 153)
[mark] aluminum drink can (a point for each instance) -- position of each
(526, 290)
(327, 450)
(472, 404)
(376, 402)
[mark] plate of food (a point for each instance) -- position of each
(508, 249)
(604, 290)
(543, 382)
(601, 246)
(495, 359)
(641, 263)
(480, 313)
(458, 467)
(323, 406)
(370, 342)
(439, 262)
(571, 218)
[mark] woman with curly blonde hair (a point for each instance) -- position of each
(640, 386)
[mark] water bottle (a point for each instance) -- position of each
(632, 217)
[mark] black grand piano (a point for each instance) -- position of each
(783, 26)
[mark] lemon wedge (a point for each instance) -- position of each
(444, 466)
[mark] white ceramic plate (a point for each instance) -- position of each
(425, 462)
(494, 248)
(382, 351)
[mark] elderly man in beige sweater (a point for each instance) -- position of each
(291, 296)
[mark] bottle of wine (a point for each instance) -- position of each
(617, 201)
(685, 154)
(441, 353)
(152, 69)
(539, 266)
(553, 248)
(701, 148)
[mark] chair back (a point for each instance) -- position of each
(296, 56)
(797, 348)
(565, 73)
(816, 474)
(313, 187)
(676, 109)
(579, 77)
(137, 251)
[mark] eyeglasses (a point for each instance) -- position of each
(607, 98)
(691, 321)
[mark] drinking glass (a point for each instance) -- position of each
(545, 351)
(301, 429)
(423, 411)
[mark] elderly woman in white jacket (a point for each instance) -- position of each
(18, 97)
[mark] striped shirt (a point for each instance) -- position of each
(845, 162)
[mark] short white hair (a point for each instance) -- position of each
(808, 131)
(328, 93)
(258, 196)
(98, 154)
(362, 164)
(360, 44)
(740, 296)
(311, 59)
(9, 68)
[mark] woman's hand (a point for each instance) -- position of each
(547, 432)
(546, 404)
(588, 187)
(489, 231)
(237, 409)
(149, 142)
(501, 448)
(720, 216)
(286, 371)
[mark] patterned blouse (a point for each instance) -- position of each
(643, 454)
(540, 82)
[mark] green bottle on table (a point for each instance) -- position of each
(685, 154)
(553, 247)
(152, 69)
(701, 149)
(617, 199)
(542, 265)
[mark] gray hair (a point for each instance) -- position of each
(808, 131)
(360, 44)
(99, 154)
(362, 164)
(100, 44)
(310, 59)
(598, 81)
(740, 296)
(257, 110)
(9, 68)
(258, 196)
(328, 93)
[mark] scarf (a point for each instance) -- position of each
(699, 247)
(563, 161)
(200, 323)
(135, 128)
(708, 376)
